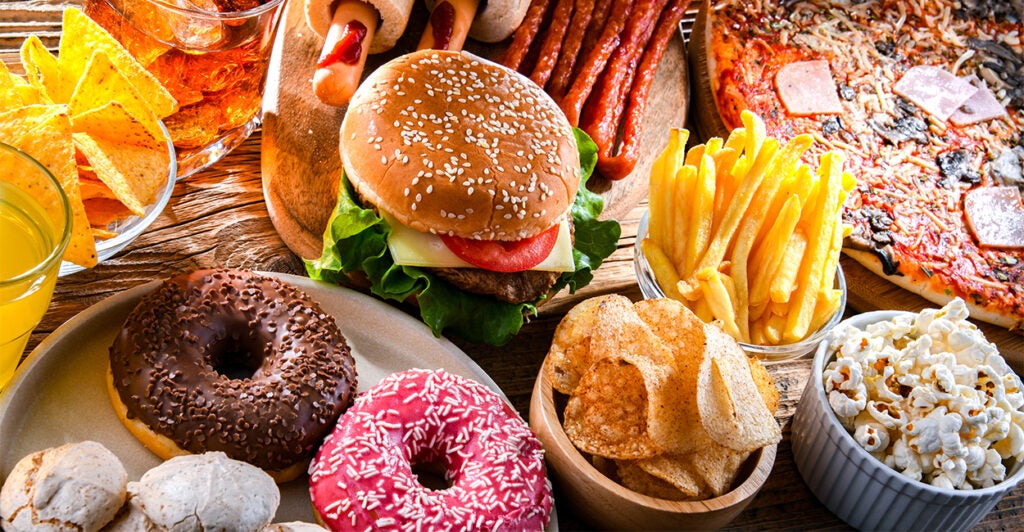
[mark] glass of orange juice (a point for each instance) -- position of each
(35, 226)
(212, 55)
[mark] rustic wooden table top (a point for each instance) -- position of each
(218, 218)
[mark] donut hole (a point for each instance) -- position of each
(431, 474)
(237, 358)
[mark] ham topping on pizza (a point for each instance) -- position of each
(996, 216)
(934, 90)
(981, 106)
(806, 88)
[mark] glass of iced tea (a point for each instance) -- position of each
(212, 56)
(35, 226)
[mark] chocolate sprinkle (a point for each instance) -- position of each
(232, 361)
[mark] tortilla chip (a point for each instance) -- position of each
(134, 174)
(103, 234)
(82, 36)
(41, 69)
(607, 413)
(103, 211)
(103, 83)
(91, 187)
(44, 132)
(113, 122)
(15, 91)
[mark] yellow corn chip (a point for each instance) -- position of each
(135, 174)
(113, 122)
(103, 83)
(93, 188)
(81, 36)
(41, 70)
(15, 91)
(44, 132)
(102, 211)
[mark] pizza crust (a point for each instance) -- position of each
(925, 290)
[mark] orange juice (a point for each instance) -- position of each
(32, 241)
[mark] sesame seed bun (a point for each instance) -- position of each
(450, 143)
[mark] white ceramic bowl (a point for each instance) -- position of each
(768, 353)
(858, 488)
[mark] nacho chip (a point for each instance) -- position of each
(113, 122)
(44, 132)
(719, 466)
(632, 476)
(678, 470)
(134, 174)
(731, 408)
(607, 413)
(15, 91)
(103, 211)
(41, 69)
(91, 187)
(81, 36)
(569, 355)
(103, 83)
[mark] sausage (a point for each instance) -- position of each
(346, 46)
(552, 44)
(449, 24)
(524, 35)
(622, 164)
(594, 64)
(562, 74)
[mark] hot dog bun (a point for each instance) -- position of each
(394, 16)
(497, 20)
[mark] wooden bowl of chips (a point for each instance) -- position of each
(605, 503)
(651, 418)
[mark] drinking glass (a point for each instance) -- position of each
(212, 56)
(35, 226)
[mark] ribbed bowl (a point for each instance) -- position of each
(863, 491)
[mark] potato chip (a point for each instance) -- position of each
(133, 173)
(719, 466)
(81, 36)
(731, 408)
(102, 83)
(569, 355)
(635, 478)
(41, 68)
(765, 384)
(676, 469)
(607, 413)
(618, 329)
(44, 132)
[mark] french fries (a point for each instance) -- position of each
(745, 233)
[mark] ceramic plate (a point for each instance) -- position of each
(59, 394)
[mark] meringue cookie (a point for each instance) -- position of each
(77, 486)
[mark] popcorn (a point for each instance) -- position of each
(929, 396)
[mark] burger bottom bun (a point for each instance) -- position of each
(394, 16)
(166, 449)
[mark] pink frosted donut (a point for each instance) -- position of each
(362, 476)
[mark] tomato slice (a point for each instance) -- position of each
(502, 256)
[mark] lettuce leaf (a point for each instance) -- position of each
(356, 241)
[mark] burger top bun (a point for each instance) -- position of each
(450, 143)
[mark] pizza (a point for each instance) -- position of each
(926, 100)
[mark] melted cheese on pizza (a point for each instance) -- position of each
(913, 168)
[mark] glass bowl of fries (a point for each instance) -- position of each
(647, 278)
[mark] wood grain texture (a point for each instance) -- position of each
(301, 165)
(218, 218)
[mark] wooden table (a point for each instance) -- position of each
(218, 218)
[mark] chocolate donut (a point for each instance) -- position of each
(231, 361)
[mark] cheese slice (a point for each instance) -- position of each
(414, 248)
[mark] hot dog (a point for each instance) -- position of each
(450, 22)
(352, 29)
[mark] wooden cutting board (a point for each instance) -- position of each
(300, 161)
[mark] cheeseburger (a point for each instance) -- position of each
(464, 187)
